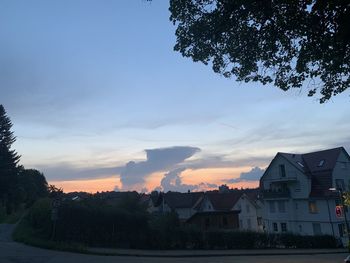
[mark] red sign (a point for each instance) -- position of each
(339, 211)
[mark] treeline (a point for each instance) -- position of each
(94, 222)
(18, 186)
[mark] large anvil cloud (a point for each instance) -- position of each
(158, 160)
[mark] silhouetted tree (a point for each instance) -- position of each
(8, 163)
(34, 185)
(287, 43)
(55, 192)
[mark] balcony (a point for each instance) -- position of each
(275, 194)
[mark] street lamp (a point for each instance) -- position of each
(340, 192)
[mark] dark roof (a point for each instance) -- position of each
(252, 193)
(329, 157)
(321, 175)
(224, 201)
(182, 200)
(318, 166)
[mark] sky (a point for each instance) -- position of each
(100, 102)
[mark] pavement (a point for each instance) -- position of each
(13, 252)
(213, 253)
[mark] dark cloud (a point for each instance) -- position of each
(224, 161)
(172, 181)
(158, 160)
(65, 171)
(253, 175)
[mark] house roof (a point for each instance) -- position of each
(223, 201)
(182, 200)
(318, 166)
(329, 158)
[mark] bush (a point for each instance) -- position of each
(94, 223)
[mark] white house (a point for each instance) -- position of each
(184, 204)
(233, 201)
(297, 194)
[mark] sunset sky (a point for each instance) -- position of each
(100, 101)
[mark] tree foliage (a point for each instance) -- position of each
(8, 163)
(292, 44)
(34, 185)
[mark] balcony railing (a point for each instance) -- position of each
(271, 194)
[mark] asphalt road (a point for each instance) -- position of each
(12, 252)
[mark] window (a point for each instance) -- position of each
(249, 223)
(321, 163)
(300, 228)
(281, 206)
(317, 229)
(275, 227)
(341, 229)
(282, 170)
(339, 183)
(284, 227)
(272, 207)
(313, 207)
(248, 209)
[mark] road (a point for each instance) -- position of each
(12, 252)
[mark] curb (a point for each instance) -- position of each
(214, 255)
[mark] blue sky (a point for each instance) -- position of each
(90, 85)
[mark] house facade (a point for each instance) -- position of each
(233, 201)
(300, 192)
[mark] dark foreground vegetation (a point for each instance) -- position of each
(49, 218)
(93, 222)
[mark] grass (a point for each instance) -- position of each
(27, 235)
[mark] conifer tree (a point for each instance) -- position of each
(8, 163)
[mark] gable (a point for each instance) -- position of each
(272, 173)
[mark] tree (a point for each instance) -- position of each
(290, 43)
(34, 185)
(8, 162)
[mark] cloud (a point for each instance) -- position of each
(225, 161)
(66, 171)
(253, 175)
(172, 181)
(162, 159)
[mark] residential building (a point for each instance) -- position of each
(297, 194)
(184, 204)
(215, 220)
(236, 201)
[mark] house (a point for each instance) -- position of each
(236, 201)
(296, 190)
(215, 220)
(152, 201)
(184, 204)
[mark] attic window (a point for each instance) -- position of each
(300, 164)
(321, 163)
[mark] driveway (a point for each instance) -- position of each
(12, 252)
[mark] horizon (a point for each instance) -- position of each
(101, 106)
